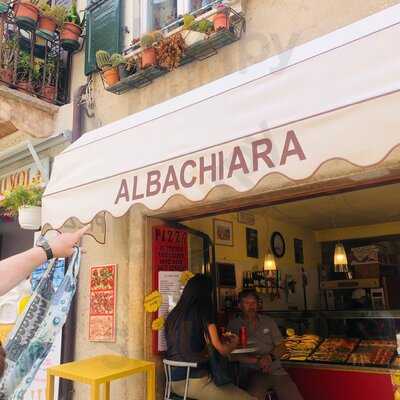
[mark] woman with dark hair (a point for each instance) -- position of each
(189, 327)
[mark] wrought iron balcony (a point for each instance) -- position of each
(33, 60)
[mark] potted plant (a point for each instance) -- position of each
(110, 73)
(49, 86)
(8, 51)
(71, 29)
(25, 202)
(50, 18)
(24, 69)
(170, 51)
(118, 61)
(148, 55)
(221, 18)
(26, 14)
(131, 66)
(195, 31)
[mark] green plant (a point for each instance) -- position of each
(147, 41)
(150, 39)
(8, 51)
(117, 60)
(188, 20)
(59, 14)
(205, 26)
(131, 64)
(50, 73)
(24, 66)
(22, 196)
(103, 59)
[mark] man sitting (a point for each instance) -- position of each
(262, 371)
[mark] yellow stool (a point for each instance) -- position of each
(102, 370)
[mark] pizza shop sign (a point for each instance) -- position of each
(25, 176)
(229, 164)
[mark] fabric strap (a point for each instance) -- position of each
(32, 338)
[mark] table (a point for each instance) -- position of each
(101, 370)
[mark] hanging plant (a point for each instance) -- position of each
(25, 202)
(170, 51)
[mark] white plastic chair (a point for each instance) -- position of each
(168, 380)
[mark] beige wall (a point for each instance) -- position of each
(272, 27)
(265, 226)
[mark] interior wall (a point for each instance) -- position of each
(364, 231)
(265, 227)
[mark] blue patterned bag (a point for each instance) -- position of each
(34, 333)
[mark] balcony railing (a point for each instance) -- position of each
(33, 61)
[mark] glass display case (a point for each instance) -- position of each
(365, 339)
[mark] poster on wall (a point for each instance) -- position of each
(170, 259)
(102, 298)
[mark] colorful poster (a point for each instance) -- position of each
(102, 303)
(170, 259)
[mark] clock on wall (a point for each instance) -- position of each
(278, 246)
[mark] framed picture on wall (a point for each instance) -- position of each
(223, 232)
(252, 242)
(298, 251)
(226, 275)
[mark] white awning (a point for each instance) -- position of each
(330, 101)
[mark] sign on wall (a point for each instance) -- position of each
(170, 259)
(103, 283)
(24, 176)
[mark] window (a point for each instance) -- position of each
(157, 14)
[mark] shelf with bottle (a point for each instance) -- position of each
(261, 281)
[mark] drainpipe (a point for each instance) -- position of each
(77, 113)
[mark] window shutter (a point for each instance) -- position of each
(103, 30)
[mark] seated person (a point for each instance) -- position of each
(189, 326)
(262, 371)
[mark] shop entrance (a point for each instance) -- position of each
(350, 309)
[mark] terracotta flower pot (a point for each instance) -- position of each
(47, 24)
(111, 76)
(221, 21)
(49, 92)
(6, 75)
(70, 35)
(25, 85)
(148, 57)
(26, 15)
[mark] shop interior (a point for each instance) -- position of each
(327, 269)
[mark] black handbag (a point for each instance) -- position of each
(219, 367)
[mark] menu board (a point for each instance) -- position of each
(169, 254)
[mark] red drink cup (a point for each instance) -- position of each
(243, 336)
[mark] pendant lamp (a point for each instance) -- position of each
(340, 258)
(269, 261)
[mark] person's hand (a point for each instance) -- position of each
(63, 245)
(2, 360)
(233, 341)
(265, 363)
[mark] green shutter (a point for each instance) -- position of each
(103, 30)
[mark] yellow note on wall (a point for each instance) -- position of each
(153, 301)
(186, 275)
(158, 324)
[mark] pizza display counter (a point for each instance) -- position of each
(330, 367)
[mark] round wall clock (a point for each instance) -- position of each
(278, 244)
